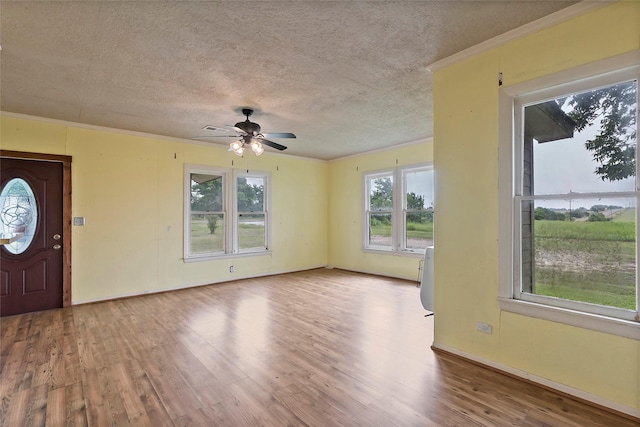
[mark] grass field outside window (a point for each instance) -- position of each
(592, 262)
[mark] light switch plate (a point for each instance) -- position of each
(78, 220)
(484, 328)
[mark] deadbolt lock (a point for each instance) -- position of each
(57, 247)
(57, 237)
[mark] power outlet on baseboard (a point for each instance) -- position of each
(484, 328)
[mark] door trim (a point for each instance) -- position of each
(66, 211)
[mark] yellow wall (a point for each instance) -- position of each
(346, 206)
(130, 190)
(466, 257)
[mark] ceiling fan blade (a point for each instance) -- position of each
(215, 136)
(272, 144)
(279, 135)
(237, 129)
(217, 129)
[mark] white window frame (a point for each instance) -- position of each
(404, 171)
(266, 204)
(512, 99)
(368, 178)
(229, 189)
(398, 211)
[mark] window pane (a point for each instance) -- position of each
(419, 188)
(206, 193)
(251, 229)
(207, 233)
(418, 202)
(593, 132)
(250, 194)
(18, 214)
(380, 229)
(581, 250)
(419, 233)
(381, 193)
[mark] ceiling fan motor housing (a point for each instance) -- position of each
(249, 127)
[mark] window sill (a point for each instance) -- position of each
(225, 256)
(594, 322)
(411, 254)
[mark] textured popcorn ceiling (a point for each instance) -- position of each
(345, 76)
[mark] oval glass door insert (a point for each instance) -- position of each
(18, 214)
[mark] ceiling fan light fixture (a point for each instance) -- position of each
(237, 147)
(239, 151)
(257, 147)
(250, 136)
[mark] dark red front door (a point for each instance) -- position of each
(31, 205)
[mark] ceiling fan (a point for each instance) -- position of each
(250, 136)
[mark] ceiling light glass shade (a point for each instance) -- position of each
(237, 147)
(257, 147)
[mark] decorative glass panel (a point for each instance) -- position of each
(18, 214)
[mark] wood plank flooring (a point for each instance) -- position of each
(314, 348)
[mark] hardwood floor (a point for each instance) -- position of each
(318, 348)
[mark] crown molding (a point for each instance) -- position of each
(525, 30)
(383, 149)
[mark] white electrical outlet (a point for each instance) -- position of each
(231, 269)
(484, 328)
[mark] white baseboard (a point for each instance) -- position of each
(562, 388)
(187, 286)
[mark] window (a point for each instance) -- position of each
(399, 209)
(251, 214)
(18, 214)
(574, 198)
(226, 212)
(379, 210)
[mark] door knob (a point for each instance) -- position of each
(57, 237)
(57, 247)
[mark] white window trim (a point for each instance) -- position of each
(508, 182)
(237, 173)
(398, 219)
(403, 172)
(229, 188)
(368, 177)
